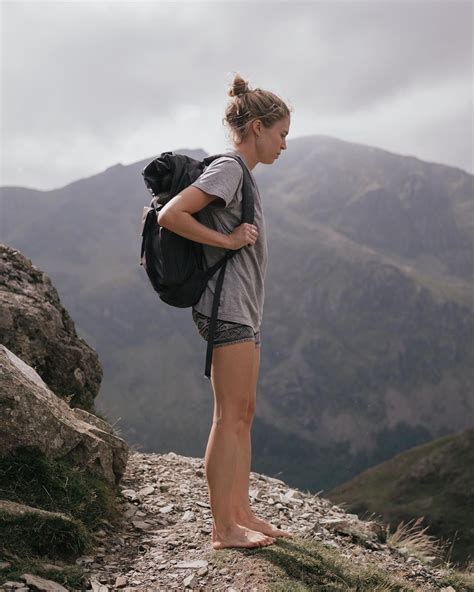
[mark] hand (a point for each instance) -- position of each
(242, 235)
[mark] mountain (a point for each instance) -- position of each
(434, 480)
(367, 343)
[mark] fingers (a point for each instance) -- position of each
(252, 229)
(248, 233)
(252, 233)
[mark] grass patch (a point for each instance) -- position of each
(71, 577)
(28, 477)
(42, 535)
(413, 539)
(303, 565)
(461, 581)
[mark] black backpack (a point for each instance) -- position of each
(174, 264)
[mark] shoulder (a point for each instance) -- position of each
(227, 164)
(222, 178)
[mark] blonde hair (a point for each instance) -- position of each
(247, 105)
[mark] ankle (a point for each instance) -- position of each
(243, 513)
(225, 528)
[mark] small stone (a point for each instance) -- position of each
(102, 588)
(192, 564)
(95, 585)
(144, 491)
(290, 494)
(100, 533)
(188, 516)
(130, 494)
(189, 581)
(167, 509)
(141, 525)
(84, 560)
(42, 584)
(120, 582)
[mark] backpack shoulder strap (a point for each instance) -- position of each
(248, 207)
(248, 213)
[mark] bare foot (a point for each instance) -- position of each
(260, 525)
(240, 537)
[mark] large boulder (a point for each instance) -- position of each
(32, 415)
(36, 327)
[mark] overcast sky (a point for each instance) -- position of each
(86, 85)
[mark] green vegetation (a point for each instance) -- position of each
(28, 540)
(461, 581)
(51, 535)
(70, 576)
(304, 565)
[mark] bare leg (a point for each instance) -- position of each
(231, 376)
(242, 511)
(240, 490)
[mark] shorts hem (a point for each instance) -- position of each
(235, 341)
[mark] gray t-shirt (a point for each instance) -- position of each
(242, 294)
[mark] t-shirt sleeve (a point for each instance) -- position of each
(222, 178)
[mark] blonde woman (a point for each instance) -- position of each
(258, 121)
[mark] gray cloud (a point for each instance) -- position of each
(86, 85)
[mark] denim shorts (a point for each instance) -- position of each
(227, 332)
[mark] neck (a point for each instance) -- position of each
(248, 154)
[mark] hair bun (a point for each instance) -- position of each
(239, 87)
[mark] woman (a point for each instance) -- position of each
(259, 122)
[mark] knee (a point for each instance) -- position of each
(237, 422)
(237, 419)
(250, 412)
(231, 423)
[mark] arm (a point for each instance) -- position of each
(177, 217)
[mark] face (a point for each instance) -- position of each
(270, 141)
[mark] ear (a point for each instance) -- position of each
(257, 127)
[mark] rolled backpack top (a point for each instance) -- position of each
(175, 265)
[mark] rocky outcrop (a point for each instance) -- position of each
(33, 416)
(36, 327)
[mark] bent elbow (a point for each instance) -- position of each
(163, 219)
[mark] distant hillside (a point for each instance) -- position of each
(433, 480)
(367, 333)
